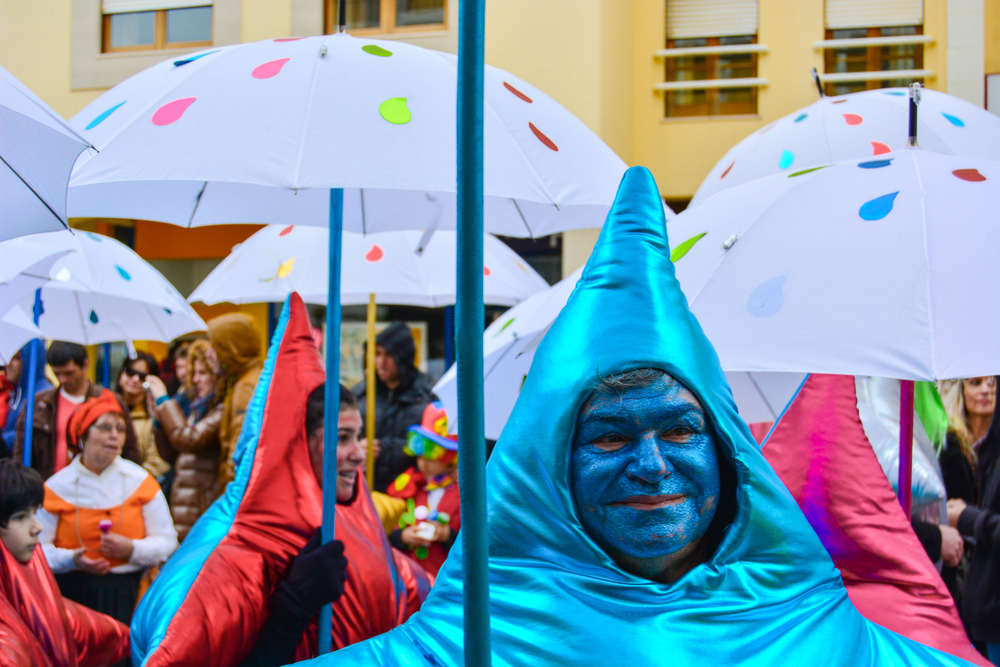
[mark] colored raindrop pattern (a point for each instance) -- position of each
(878, 148)
(172, 111)
(95, 237)
(93, 317)
(895, 93)
(517, 93)
(954, 120)
(375, 253)
(168, 311)
(728, 169)
(786, 160)
(853, 119)
(768, 298)
(269, 69)
(971, 175)
(376, 50)
(875, 164)
(394, 111)
(801, 117)
(486, 270)
(286, 231)
(877, 208)
(185, 61)
(683, 248)
(534, 130)
(810, 170)
(123, 273)
(101, 118)
(542, 138)
(288, 39)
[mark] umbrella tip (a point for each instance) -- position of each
(819, 84)
(915, 90)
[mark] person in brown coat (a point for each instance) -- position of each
(237, 358)
(193, 439)
(53, 407)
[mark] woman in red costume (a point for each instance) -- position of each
(38, 627)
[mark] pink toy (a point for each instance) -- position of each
(105, 526)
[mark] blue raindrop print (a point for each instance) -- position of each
(801, 117)
(95, 237)
(877, 208)
(93, 317)
(954, 120)
(185, 61)
(168, 311)
(895, 93)
(768, 298)
(123, 273)
(787, 158)
(100, 119)
(876, 164)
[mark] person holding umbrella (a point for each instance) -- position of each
(401, 394)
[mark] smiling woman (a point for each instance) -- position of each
(645, 473)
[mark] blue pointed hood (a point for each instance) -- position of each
(768, 595)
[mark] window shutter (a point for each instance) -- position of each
(873, 13)
(711, 18)
(123, 6)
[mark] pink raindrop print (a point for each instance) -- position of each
(288, 39)
(878, 148)
(286, 231)
(172, 111)
(486, 270)
(269, 69)
(375, 253)
(853, 119)
(542, 138)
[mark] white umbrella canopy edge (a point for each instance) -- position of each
(535, 150)
(854, 126)
(884, 244)
(280, 259)
(16, 329)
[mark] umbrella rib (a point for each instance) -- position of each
(756, 386)
(364, 219)
(14, 171)
(531, 234)
(79, 312)
(305, 123)
(927, 262)
(197, 203)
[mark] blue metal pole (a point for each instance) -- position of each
(29, 406)
(470, 315)
(106, 370)
(331, 401)
(449, 336)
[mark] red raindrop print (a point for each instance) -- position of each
(288, 39)
(853, 119)
(878, 148)
(172, 111)
(971, 175)
(267, 70)
(375, 254)
(486, 270)
(517, 92)
(286, 231)
(838, 101)
(767, 128)
(728, 169)
(542, 138)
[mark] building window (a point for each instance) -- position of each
(387, 16)
(871, 58)
(178, 28)
(705, 66)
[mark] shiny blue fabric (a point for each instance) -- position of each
(158, 606)
(769, 595)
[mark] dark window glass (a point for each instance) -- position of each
(191, 24)
(133, 29)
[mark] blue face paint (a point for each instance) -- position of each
(645, 474)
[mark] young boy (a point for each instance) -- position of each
(41, 627)
(430, 525)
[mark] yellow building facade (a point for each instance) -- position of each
(609, 62)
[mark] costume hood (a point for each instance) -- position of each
(768, 595)
(236, 342)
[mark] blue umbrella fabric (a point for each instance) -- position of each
(768, 595)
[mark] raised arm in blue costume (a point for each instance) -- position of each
(633, 520)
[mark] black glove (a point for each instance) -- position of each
(318, 573)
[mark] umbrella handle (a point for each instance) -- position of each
(29, 406)
(370, 392)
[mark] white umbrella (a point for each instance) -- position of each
(852, 127)
(509, 348)
(37, 152)
(105, 292)
(259, 132)
(16, 329)
(863, 267)
(24, 267)
(280, 259)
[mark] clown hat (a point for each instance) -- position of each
(433, 428)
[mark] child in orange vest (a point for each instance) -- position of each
(433, 515)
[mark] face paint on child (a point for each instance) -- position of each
(645, 474)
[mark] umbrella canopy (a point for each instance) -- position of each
(37, 152)
(852, 127)
(863, 267)
(104, 292)
(16, 329)
(24, 267)
(280, 259)
(258, 133)
(509, 348)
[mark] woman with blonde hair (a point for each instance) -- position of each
(194, 438)
(969, 404)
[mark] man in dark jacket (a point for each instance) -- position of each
(53, 408)
(401, 394)
(980, 603)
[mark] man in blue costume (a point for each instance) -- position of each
(633, 520)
